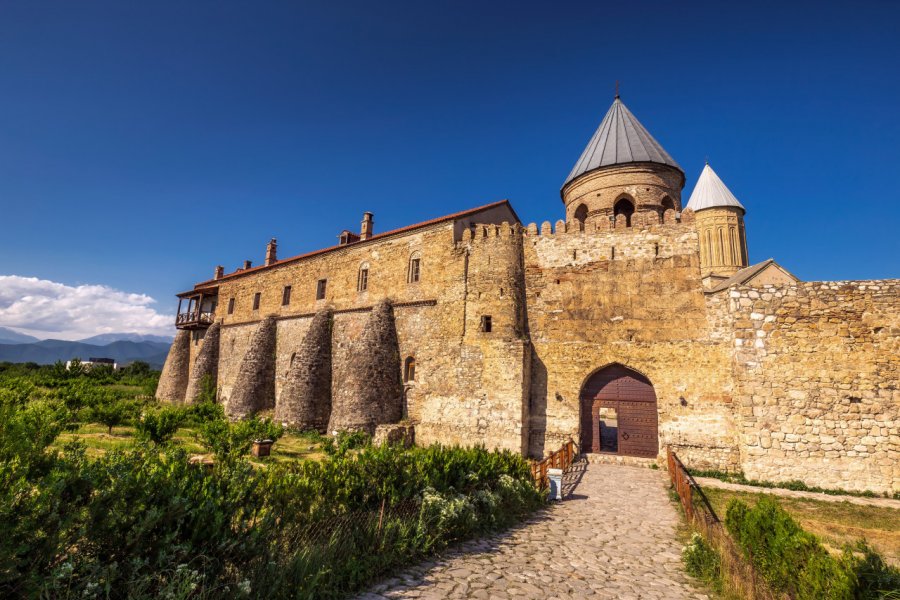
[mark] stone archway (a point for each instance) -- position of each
(619, 413)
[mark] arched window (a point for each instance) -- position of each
(668, 210)
(580, 215)
(362, 280)
(709, 248)
(735, 259)
(415, 268)
(668, 203)
(624, 207)
(721, 247)
(409, 369)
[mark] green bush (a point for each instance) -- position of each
(229, 440)
(113, 413)
(702, 561)
(344, 441)
(158, 425)
(790, 559)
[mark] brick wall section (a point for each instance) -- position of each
(816, 367)
(305, 398)
(205, 365)
(632, 297)
(173, 380)
(371, 391)
(254, 387)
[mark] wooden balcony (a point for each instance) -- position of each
(194, 320)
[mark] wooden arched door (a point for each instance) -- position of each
(630, 396)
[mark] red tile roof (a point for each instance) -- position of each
(211, 283)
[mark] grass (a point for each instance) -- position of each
(291, 447)
(836, 523)
(795, 485)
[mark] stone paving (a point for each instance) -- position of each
(613, 537)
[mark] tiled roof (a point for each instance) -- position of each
(459, 215)
(620, 139)
(746, 274)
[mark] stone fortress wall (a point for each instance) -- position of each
(816, 368)
(632, 297)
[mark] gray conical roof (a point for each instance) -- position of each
(711, 192)
(620, 139)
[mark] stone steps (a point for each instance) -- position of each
(618, 459)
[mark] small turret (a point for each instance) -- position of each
(719, 219)
(272, 252)
(367, 229)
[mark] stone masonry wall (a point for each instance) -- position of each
(205, 365)
(816, 367)
(173, 380)
(305, 398)
(632, 297)
(370, 392)
(254, 387)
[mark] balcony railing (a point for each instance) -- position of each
(194, 320)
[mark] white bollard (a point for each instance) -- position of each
(555, 476)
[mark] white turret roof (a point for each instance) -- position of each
(620, 139)
(710, 192)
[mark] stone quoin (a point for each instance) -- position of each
(634, 324)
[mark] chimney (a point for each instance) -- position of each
(367, 229)
(247, 265)
(220, 271)
(271, 252)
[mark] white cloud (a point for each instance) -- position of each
(49, 309)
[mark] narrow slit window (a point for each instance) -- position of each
(362, 280)
(231, 306)
(320, 289)
(486, 323)
(409, 369)
(415, 265)
(256, 298)
(286, 296)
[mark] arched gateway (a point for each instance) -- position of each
(618, 413)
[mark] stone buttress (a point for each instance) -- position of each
(372, 392)
(173, 380)
(205, 365)
(305, 401)
(254, 389)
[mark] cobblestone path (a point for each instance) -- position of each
(613, 537)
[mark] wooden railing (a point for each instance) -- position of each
(700, 513)
(195, 318)
(561, 459)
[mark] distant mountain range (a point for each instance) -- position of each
(123, 348)
(8, 336)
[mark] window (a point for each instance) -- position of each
(625, 209)
(409, 369)
(486, 323)
(231, 306)
(581, 214)
(256, 297)
(415, 266)
(286, 296)
(362, 280)
(320, 289)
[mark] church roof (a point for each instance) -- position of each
(711, 192)
(620, 139)
(747, 273)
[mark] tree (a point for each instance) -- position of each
(112, 413)
(159, 425)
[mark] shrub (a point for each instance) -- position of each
(345, 441)
(112, 413)
(702, 561)
(158, 425)
(230, 440)
(790, 559)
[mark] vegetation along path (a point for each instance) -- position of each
(613, 537)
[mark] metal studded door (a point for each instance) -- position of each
(634, 400)
(638, 428)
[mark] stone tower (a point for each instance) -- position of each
(719, 219)
(623, 179)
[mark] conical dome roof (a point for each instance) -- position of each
(711, 192)
(620, 139)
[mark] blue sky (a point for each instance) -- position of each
(142, 143)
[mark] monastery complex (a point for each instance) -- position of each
(633, 324)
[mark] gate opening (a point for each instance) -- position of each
(619, 413)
